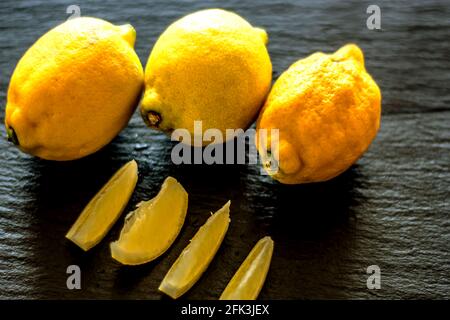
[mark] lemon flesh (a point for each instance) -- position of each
(104, 209)
(196, 257)
(249, 279)
(151, 229)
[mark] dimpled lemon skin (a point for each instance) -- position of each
(327, 109)
(211, 65)
(74, 90)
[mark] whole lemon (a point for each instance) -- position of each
(327, 110)
(74, 89)
(211, 66)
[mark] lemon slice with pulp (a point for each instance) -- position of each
(104, 209)
(151, 229)
(249, 279)
(196, 257)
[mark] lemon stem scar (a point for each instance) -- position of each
(270, 162)
(12, 137)
(152, 118)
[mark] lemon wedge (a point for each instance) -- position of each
(249, 279)
(151, 229)
(103, 210)
(196, 257)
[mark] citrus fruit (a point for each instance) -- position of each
(152, 228)
(74, 90)
(210, 66)
(327, 110)
(104, 209)
(249, 279)
(196, 257)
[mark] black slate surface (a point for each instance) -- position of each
(390, 209)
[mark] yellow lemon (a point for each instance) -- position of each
(327, 110)
(74, 89)
(211, 66)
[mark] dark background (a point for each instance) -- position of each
(390, 209)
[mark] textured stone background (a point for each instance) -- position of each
(391, 208)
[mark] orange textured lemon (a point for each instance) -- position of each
(211, 66)
(327, 109)
(74, 89)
